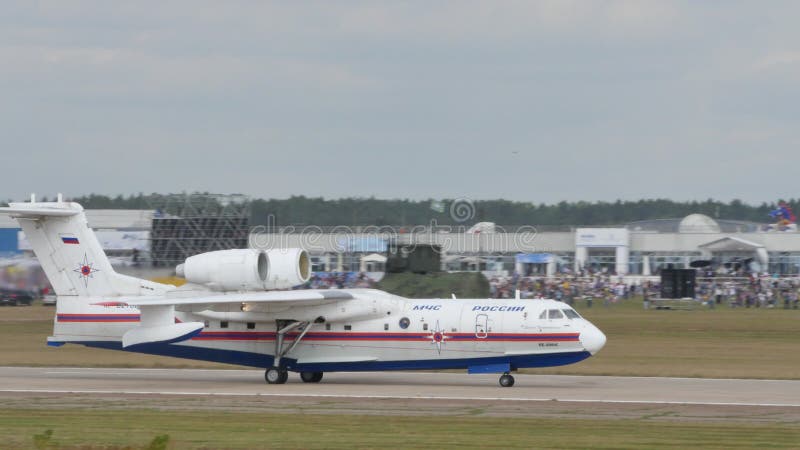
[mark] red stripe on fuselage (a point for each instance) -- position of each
(366, 336)
(97, 318)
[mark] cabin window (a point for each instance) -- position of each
(386, 327)
(205, 324)
(348, 327)
(328, 327)
(404, 322)
(223, 324)
(555, 314)
(543, 315)
(571, 314)
(251, 325)
(425, 326)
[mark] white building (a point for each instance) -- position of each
(638, 248)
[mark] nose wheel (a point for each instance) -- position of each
(276, 375)
(506, 380)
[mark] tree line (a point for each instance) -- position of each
(301, 210)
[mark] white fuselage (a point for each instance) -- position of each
(383, 332)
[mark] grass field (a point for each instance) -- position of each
(742, 343)
(138, 428)
(724, 343)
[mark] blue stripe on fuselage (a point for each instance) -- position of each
(263, 361)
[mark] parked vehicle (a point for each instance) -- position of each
(16, 297)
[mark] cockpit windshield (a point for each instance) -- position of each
(559, 314)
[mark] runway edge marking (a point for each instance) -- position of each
(398, 397)
(420, 373)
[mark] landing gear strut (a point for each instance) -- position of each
(277, 374)
(506, 380)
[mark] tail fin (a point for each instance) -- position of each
(70, 254)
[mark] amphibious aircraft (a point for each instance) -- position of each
(238, 307)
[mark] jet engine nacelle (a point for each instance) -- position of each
(247, 269)
(287, 268)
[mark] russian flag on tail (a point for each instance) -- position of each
(69, 239)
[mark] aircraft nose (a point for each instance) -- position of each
(592, 339)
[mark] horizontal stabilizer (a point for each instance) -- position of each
(165, 334)
(38, 212)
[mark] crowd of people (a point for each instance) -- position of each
(748, 292)
(567, 289)
(339, 280)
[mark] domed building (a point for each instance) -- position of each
(698, 223)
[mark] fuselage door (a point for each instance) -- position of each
(481, 326)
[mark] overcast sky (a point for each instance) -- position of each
(534, 101)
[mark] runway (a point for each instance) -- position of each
(402, 385)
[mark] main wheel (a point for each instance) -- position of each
(311, 377)
(276, 375)
(506, 380)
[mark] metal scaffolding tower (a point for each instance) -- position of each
(188, 224)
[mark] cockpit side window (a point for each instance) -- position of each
(543, 315)
(555, 314)
(571, 314)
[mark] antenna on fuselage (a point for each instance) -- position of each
(453, 295)
(516, 294)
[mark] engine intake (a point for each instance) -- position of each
(247, 269)
(287, 268)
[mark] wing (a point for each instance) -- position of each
(298, 297)
(156, 323)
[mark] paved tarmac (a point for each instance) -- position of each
(402, 385)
